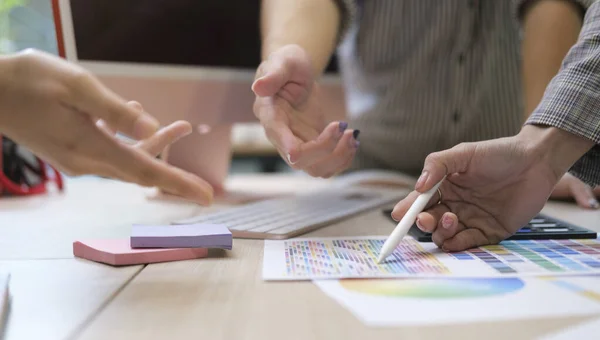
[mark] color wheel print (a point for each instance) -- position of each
(435, 289)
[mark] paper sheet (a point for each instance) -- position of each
(585, 330)
(419, 302)
(330, 258)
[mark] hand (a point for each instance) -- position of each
(66, 116)
(571, 187)
(493, 188)
(287, 105)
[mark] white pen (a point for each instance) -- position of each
(407, 221)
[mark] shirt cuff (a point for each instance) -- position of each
(348, 14)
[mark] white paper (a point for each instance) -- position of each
(355, 257)
(409, 302)
(586, 330)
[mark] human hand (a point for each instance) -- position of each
(571, 187)
(288, 107)
(493, 188)
(65, 115)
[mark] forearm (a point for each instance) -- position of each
(550, 29)
(555, 147)
(571, 101)
(6, 71)
(312, 24)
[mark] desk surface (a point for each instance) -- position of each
(221, 297)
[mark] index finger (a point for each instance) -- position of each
(402, 207)
(150, 172)
(136, 166)
(93, 98)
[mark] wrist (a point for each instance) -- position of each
(555, 147)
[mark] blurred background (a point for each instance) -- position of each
(29, 24)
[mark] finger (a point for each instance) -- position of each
(149, 172)
(402, 207)
(339, 160)
(334, 135)
(283, 139)
(101, 124)
(135, 105)
(111, 130)
(429, 219)
(272, 75)
(466, 239)
(138, 167)
(165, 137)
(439, 164)
(448, 226)
(276, 127)
(583, 195)
(93, 98)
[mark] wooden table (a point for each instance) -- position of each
(55, 296)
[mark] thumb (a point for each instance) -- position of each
(272, 75)
(443, 163)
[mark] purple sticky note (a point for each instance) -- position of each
(201, 235)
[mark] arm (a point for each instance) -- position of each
(314, 25)
(550, 29)
(572, 100)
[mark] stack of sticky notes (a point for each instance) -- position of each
(200, 235)
(160, 243)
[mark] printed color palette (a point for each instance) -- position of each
(555, 256)
(307, 258)
(444, 288)
(327, 258)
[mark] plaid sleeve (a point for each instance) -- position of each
(348, 13)
(520, 7)
(572, 99)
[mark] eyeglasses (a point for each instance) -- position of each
(22, 173)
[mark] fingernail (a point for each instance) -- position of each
(289, 157)
(355, 134)
(145, 127)
(447, 222)
(418, 223)
(422, 179)
(343, 126)
(593, 203)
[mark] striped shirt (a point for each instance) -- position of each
(572, 99)
(424, 75)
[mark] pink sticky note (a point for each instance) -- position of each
(118, 252)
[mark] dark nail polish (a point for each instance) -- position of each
(343, 126)
(355, 134)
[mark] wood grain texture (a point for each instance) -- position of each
(221, 297)
(50, 299)
(44, 227)
(224, 297)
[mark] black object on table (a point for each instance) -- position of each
(541, 227)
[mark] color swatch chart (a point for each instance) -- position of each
(329, 258)
(556, 256)
(308, 258)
